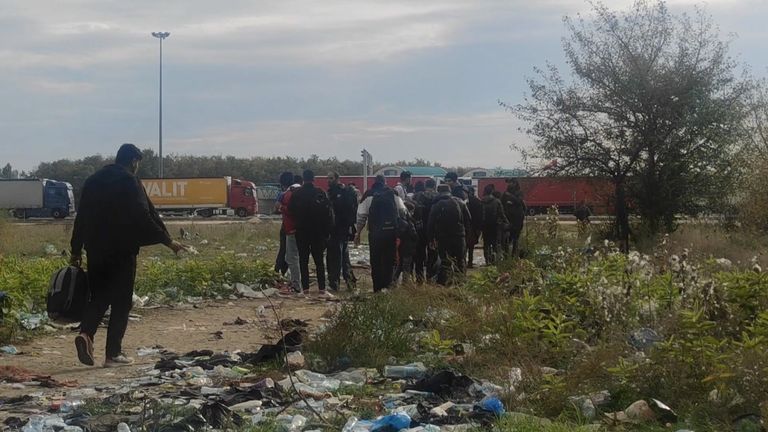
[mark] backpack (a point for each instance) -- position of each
(490, 208)
(349, 203)
(321, 212)
(383, 213)
(68, 294)
(450, 219)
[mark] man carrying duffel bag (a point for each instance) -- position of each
(115, 218)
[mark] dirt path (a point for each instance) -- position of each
(181, 329)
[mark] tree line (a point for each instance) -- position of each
(261, 170)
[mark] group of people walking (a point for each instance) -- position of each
(422, 231)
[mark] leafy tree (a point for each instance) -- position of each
(8, 172)
(653, 104)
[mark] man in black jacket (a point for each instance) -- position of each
(314, 221)
(425, 257)
(449, 222)
(344, 201)
(495, 223)
(478, 215)
(114, 220)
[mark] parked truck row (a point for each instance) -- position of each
(228, 196)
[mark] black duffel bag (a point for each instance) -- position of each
(68, 294)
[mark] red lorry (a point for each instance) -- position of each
(568, 193)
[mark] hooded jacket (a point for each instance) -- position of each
(449, 218)
(494, 213)
(115, 217)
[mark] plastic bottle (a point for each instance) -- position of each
(413, 370)
(122, 427)
(35, 424)
(70, 406)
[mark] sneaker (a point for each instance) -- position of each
(117, 361)
(84, 346)
(326, 295)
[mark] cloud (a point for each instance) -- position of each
(481, 139)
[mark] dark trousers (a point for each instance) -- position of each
(383, 246)
(472, 240)
(514, 240)
(491, 244)
(338, 252)
(281, 266)
(346, 266)
(452, 263)
(315, 246)
(424, 260)
(111, 281)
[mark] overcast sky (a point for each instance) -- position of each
(405, 79)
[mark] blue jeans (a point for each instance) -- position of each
(292, 258)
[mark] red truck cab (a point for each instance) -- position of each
(242, 198)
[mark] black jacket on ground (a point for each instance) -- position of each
(115, 217)
(449, 218)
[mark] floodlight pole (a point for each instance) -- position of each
(161, 36)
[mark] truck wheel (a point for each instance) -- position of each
(241, 212)
(532, 211)
(19, 214)
(205, 213)
(57, 214)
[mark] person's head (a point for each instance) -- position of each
(452, 179)
(471, 191)
(430, 184)
(512, 185)
(496, 194)
(419, 187)
(333, 178)
(489, 189)
(352, 185)
(459, 192)
(128, 157)
(405, 177)
(297, 179)
(444, 189)
(308, 176)
(286, 179)
(380, 181)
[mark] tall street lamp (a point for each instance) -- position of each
(161, 36)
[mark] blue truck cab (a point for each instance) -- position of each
(58, 199)
(38, 198)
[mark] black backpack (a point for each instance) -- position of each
(321, 212)
(68, 294)
(349, 203)
(490, 210)
(383, 213)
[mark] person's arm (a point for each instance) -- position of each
(78, 231)
(141, 211)
(500, 212)
(401, 208)
(432, 221)
(467, 217)
(362, 217)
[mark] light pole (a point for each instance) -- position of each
(161, 36)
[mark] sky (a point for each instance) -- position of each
(403, 79)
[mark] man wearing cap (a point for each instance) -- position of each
(115, 218)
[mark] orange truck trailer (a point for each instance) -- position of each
(568, 193)
(203, 196)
